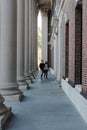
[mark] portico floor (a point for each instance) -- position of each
(45, 107)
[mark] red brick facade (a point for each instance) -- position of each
(76, 55)
(67, 49)
(84, 50)
(78, 44)
(73, 42)
(70, 13)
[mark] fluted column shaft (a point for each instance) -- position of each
(35, 35)
(8, 50)
(36, 45)
(30, 36)
(20, 42)
(44, 36)
(32, 31)
(59, 75)
(34, 40)
(26, 38)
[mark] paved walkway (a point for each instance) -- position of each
(45, 107)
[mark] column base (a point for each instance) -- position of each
(29, 79)
(4, 117)
(12, 95)
(27, 76)
(23, 85)
(18, 97)
(32, 74)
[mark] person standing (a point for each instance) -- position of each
(41, 65)
(46, 69)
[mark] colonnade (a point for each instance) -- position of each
(18, 49)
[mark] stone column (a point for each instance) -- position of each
(55, 55)
(20, 44)
(59, 76)
(30, 36)
(31, 41)
(26, 39)
(44, 36)
(32, 33)
(55, 46)
(4, 111)
(36, 45)
(8, 53)
(34, 36)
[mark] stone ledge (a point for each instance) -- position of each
(76, 98)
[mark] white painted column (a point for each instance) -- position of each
(55, 56)
(59, 76)
(20, 44)
(8, 53)
(26, 38)
(56, 50)
(44, 36)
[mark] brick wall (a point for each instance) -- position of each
(73, 42)
(69, 9)
(66, 48)
(84, 50)
(78, 44)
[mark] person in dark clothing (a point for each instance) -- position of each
(46, 69)
(41, 65)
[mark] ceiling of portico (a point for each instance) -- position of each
(44, 4)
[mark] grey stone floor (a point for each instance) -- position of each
(45, 107)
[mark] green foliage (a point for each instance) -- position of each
(39, 37)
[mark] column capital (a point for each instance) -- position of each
(44, 12)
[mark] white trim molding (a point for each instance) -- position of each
(76, 98)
